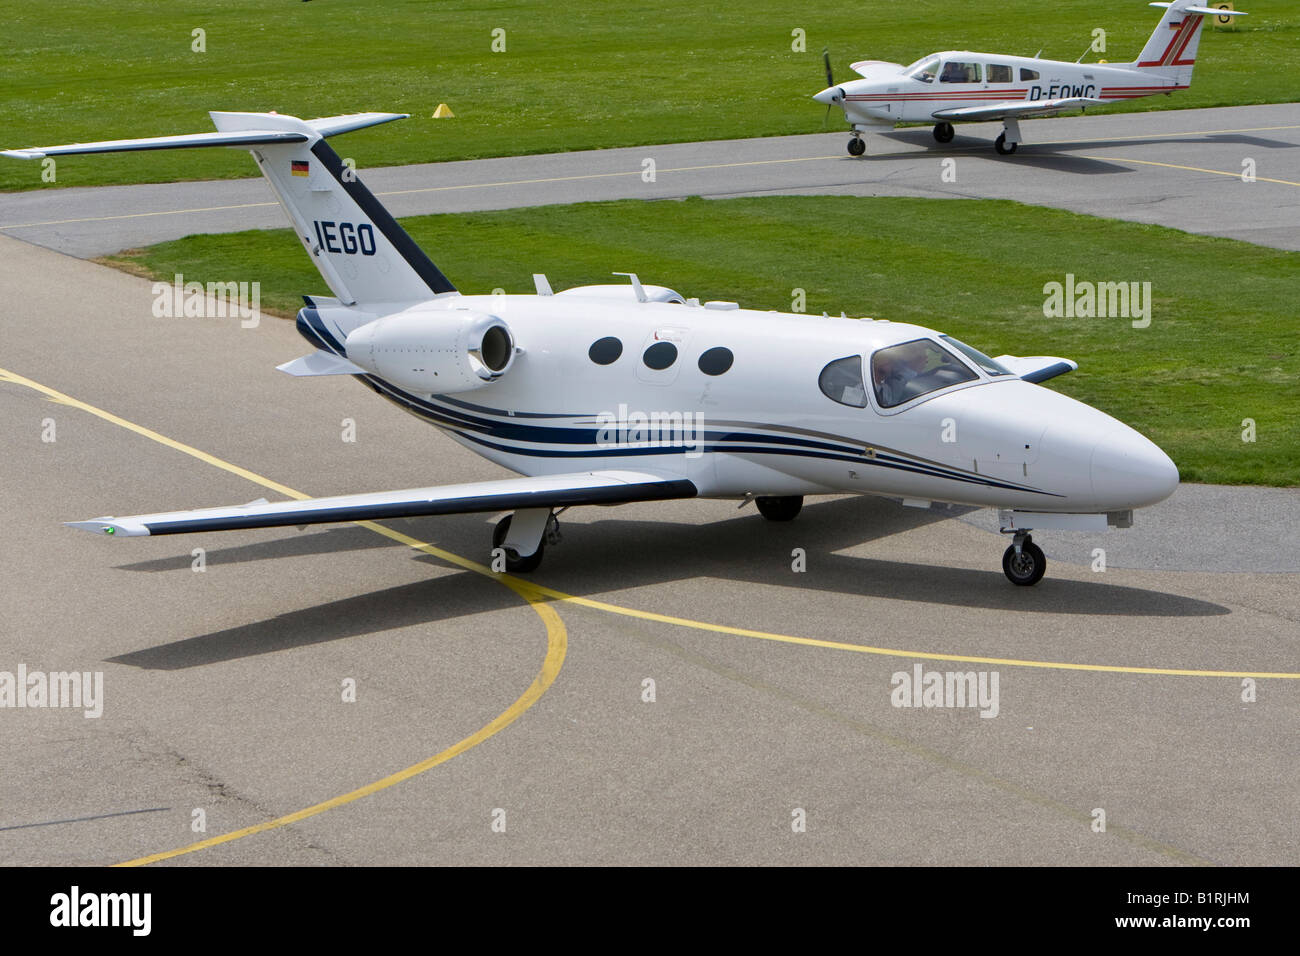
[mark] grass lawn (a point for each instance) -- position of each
(575, 75)
(1223, 344)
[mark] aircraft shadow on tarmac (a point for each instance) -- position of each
(613, 554)
(1055, 156)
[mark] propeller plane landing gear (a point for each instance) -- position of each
(1024, 562)
(857, 145)
(1009, 138)
(943, 132)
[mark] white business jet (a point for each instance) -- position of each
(606, 394)
(962, 87)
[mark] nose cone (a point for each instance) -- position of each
(832, 94)
(1129, 471)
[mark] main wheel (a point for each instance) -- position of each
(1002, 146)
(514, 563)
(944, 132)
(857, 146)
(1027, 567)
(784, 508)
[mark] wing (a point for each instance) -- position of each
(1036, 368)
(510, 494)
(1017, 109)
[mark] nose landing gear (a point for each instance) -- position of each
(1024, 562)
(857, 146)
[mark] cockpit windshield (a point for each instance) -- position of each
(992, 366)
(924, 69)
(903, 372)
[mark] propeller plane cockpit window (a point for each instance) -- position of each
(924, 70)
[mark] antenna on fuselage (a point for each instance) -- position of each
(636, 285)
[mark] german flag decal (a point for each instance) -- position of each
(301, 167)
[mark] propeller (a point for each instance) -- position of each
(835, 97)
(830, 81)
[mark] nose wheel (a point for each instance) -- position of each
(1024, 562)
(857, 146)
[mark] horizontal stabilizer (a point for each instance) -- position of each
(1203, 11)
(321, 362)
(244, 138)
(509, 494)
(241, 138)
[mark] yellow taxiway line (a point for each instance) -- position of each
(539, 598)
(556, 635)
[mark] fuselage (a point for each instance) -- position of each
(744, 402)
(893, 93)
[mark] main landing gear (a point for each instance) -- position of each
(1024, 562)
(784, 508)
(538, 528)
(944, 132)
(857, 146)
(1009, 138)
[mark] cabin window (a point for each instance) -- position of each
(924, 70)
(999, 73)
(992, 366)
(716, 361)
(955, 72)
(659, 356)
(903, 372)
(841, 381)
(605, 351)
(1026, 75)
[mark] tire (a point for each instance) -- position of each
(857, 146)
(1000, 144)
(784, 508)
(943, 132)
(1026, 568)
(514, 563)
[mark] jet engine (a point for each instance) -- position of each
(435, 352)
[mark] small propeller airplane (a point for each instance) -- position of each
(606, 394)
(961, 87)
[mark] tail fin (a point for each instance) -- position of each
(1171, 51)
(365, 257)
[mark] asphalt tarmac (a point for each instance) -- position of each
(501, 722)
(1181, 168)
